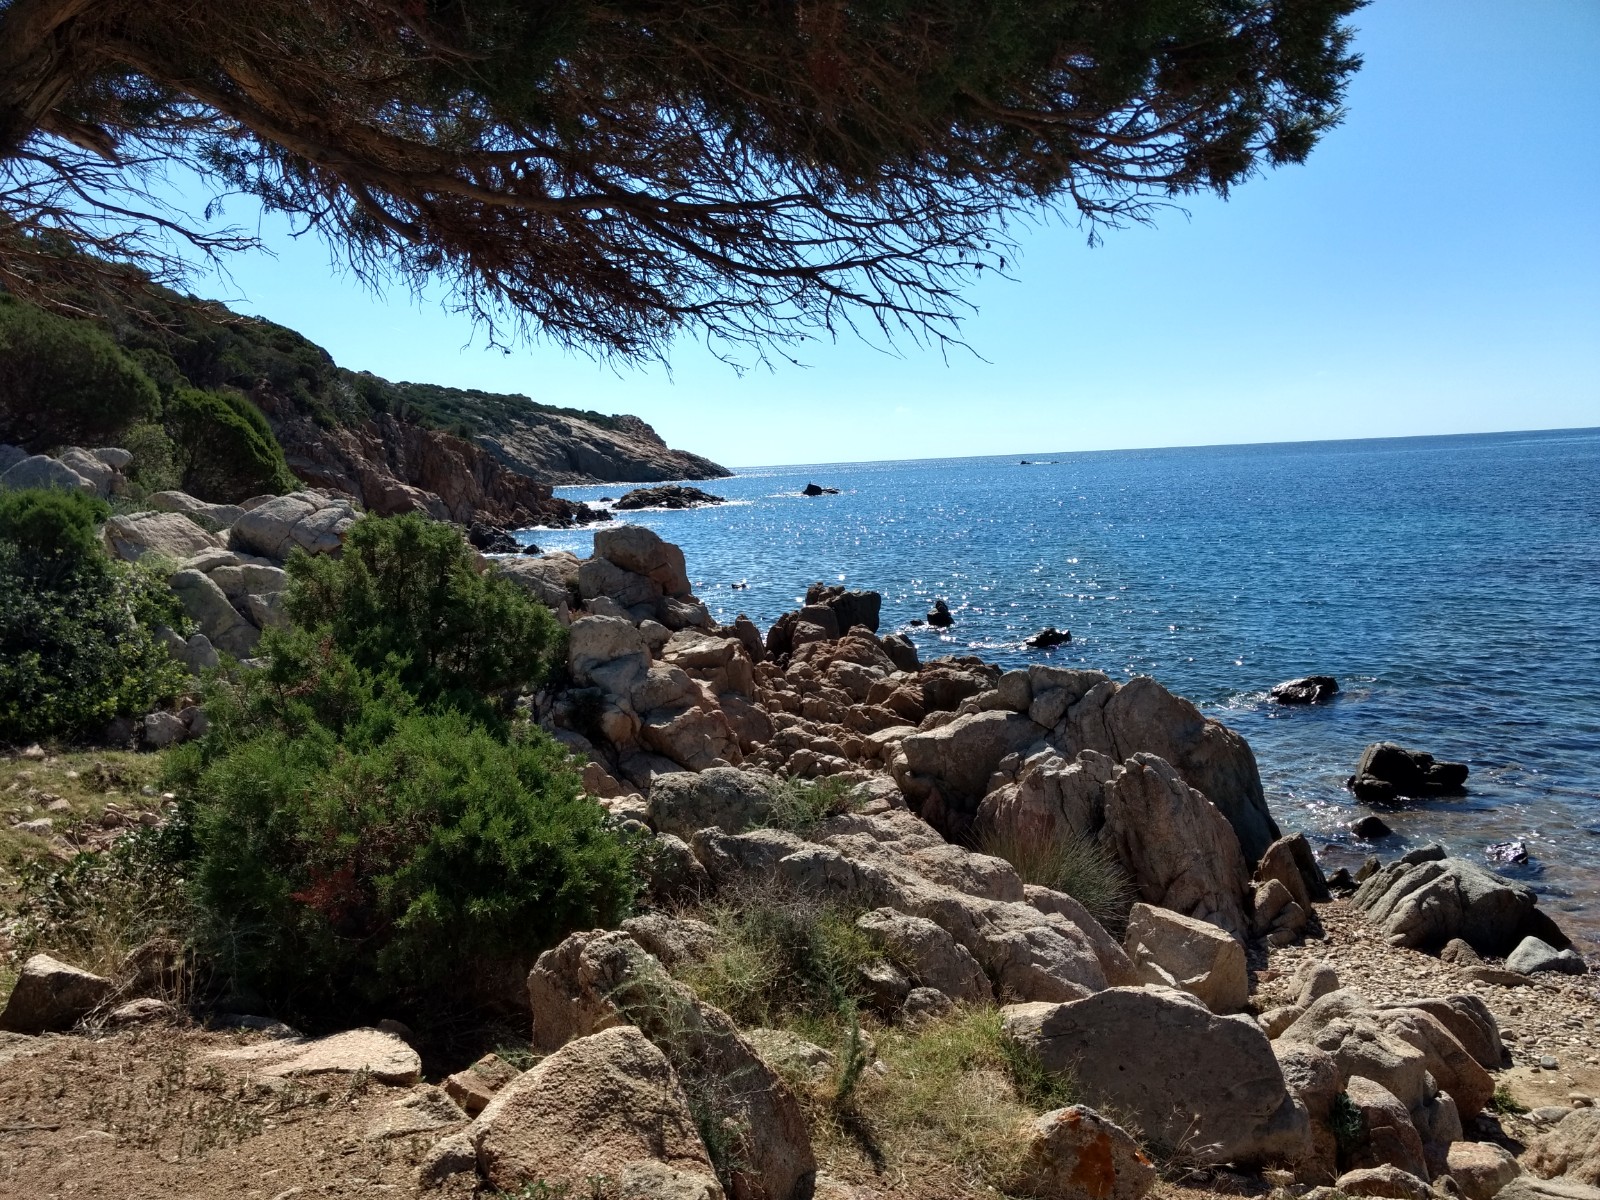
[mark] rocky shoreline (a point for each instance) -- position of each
(1238, 1020)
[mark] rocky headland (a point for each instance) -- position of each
(1231, 1020)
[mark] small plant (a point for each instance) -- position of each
(1348, 1126)
(800, 805)
(1067, 862)
(1504, 1103)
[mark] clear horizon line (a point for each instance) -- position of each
(1404, 437)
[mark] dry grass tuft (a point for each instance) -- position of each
(1068, 862)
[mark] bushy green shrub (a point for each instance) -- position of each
(226, 452)
(347, 876)
(77, 646)
(406, 593)
(155, 457)
(64, 382)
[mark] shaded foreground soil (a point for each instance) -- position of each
(146, 1114)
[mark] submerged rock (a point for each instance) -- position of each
(1387, 771)
(668, 495)
(939, 615)
(1311, 689)
(1049, 636)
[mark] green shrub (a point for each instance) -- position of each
(1067, 862)
(225, 450)
(406, 594)
(155, 457)
(77, 646)
(343, 877)
(64, 382)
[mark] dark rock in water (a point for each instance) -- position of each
(490, 539)
(606, 500)
(1387, 771)
(1049, 636)
(530, 548)
(916, 621)
(849, 608)
(1513, 852)
(812, 489)
(940, 615)
(1311, 689)
(1341, 882)
(1370, 829)
(667, 495)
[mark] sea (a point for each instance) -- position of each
(1450, 584)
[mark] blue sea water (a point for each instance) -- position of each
(1452, 584)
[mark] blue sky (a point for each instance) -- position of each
(1433, 268)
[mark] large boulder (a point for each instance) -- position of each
(850, 608)
(1172, 950)
(1076, 1154)
(594, 643)
(1178, 849)
(1533, 955)
(603, 1106)
(51, 995)
(726, 797)
(1570, 1150)
(602, 577)
(211, 516)
(640, 550)
(931, 955)
(1192, 1080)
(207, 604)
(42, 471)
(958, 758)
(1388, 1138)
(1143, 717)
(1313, 1079)
(551, 578)
(1423, 905)
(1481, 1169)
(1342, 1024)
(313, 522)
(169, 534)
(597, 980)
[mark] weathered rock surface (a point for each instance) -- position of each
(1480, 1169)
(1076, 1154)
(1424, 904)
(1388, 1136)
(725, 797)
(1570, 1150)
(473, 1088)
(309, 520)
(51, 995)
(1386, 1181)
(172, 535)
(1190, 1078)
(1530, 1187)
(1533, 955)
(382, 1056)
(595, 981)
(1177, 847)
(603, 1106)
(669, 495)
(1172, 950)
(929, 953)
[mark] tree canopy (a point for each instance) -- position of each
(611, 173)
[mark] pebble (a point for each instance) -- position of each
(1580, 1100)
(1548, 1063)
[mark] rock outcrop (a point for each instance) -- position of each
(1205, 1085)
(1425, 902)
(1387, 772)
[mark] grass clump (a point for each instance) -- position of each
(1068, 862)
(800, 805)
(951, 1099)
(784, 959)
